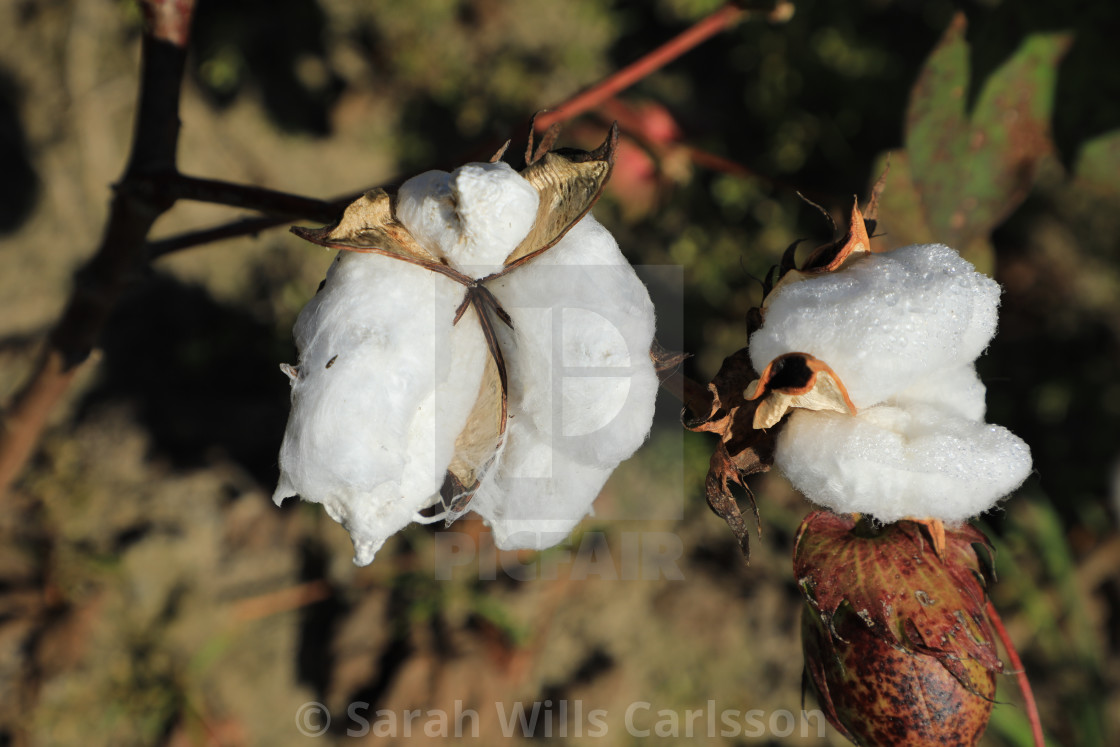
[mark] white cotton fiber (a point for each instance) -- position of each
(958, 391)
(897, 462)
(539, 493)
(384, 385)
(582, 385)
(583, 323)
(473, 217)
(885, 322)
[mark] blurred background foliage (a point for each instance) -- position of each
(150, 593)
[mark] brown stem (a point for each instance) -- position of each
(281, 208)
(325, 212)
(1020, 676)
(231, 230)
(266, 201)
(132, 212)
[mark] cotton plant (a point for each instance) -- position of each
(859, 383)
(479, 343)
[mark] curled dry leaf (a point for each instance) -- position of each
(741, 451)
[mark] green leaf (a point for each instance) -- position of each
(1098, 164)
(963, 172)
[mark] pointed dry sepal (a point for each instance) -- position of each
(898, 643)
(369, 225)
(827, 258)
(796, 380)
(569, 183)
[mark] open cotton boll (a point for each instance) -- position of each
(898, 462)
(474, 217)
(885, 321)
(384, 385)
(583, 324)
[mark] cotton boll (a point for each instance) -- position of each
(385, 383)
(539, 493)
(884, 322)
(897, 462)
(473, 217)
(582, 329)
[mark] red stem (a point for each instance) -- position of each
(1020, 676)
(721, 19)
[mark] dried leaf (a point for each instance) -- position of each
(741, 451)
(722, 472)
